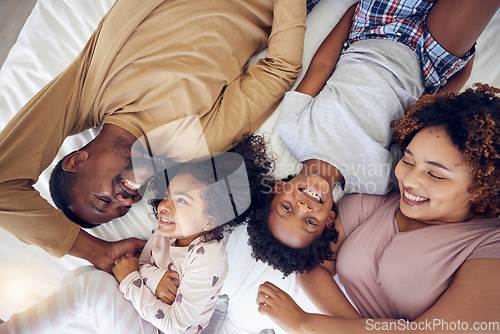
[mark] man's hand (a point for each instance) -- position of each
(167, 288)
(118, 249)
(125, 265)
(103, 254)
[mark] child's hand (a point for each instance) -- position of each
(124, 266)
(280, 307)
(167, 288)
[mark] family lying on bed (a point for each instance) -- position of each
(175, 283)
(448, 173)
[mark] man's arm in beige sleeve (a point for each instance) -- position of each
(254, 95)
(28, 145)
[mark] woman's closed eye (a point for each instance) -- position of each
(435, 176)
(406, 162)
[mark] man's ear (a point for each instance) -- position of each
(331, 219)
(209, 225)
(277, 186)
(73, 161)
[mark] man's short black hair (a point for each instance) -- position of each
(60, 184)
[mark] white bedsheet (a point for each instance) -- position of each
(54, 33)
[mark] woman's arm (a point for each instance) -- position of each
(470, 304)
(472, 296)
(326, 57)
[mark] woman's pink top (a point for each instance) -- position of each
(399, 275)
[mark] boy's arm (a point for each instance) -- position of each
(326, 57)
(456, 82)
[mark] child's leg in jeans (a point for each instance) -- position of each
(93, 292)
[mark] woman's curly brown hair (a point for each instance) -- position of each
(471, 119)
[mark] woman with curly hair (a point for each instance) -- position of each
(425, 258)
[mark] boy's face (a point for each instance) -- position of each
(300, 210)
(183, 212)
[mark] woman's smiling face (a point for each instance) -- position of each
(300, 210)
(434, 179)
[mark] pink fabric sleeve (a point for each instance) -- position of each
(488, 249)
(356, 208)
(148, 268)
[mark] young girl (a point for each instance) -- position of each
(338, 124)
(428, 254)
(174, 285)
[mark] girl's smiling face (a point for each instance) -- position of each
(183, 212)
(434, 179)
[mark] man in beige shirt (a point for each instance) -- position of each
(155, 75)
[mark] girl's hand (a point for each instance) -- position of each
(280, 307)
(167, 288)
(124, 266)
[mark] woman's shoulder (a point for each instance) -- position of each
(354, 209)
(484, 235)
(368, 203)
